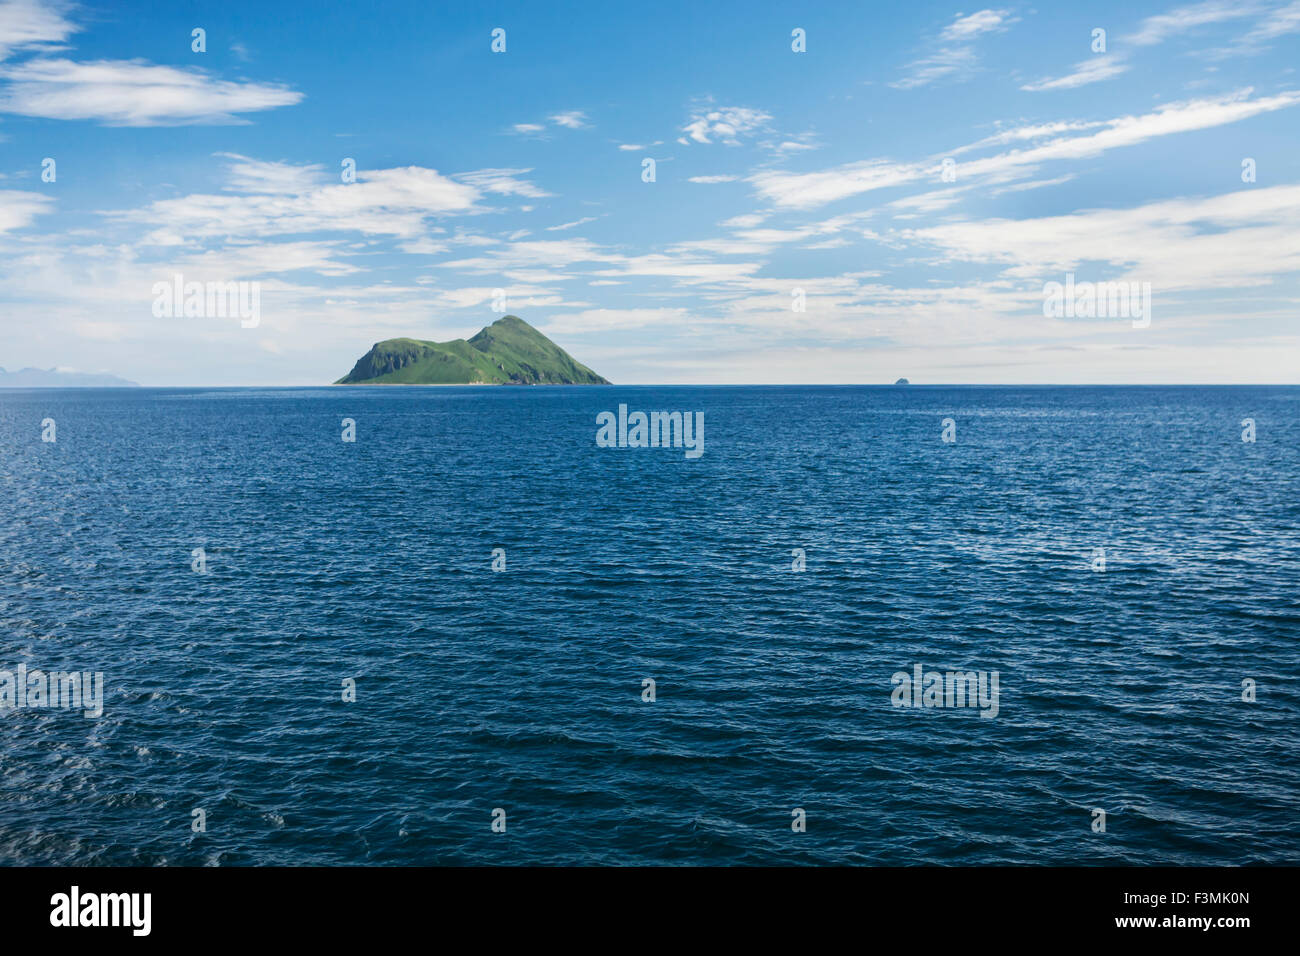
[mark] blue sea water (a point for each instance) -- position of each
(521, 689)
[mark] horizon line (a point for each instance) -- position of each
(331, 385)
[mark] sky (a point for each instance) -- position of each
(888, 201)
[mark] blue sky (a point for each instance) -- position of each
(775, 171)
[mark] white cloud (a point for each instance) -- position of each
(1159, 28)
(258, 176)
(1156, 29)
(570, 119)
(605, 320)
(1034, 184)
(1172, 118)
(424, 246)
(132, 93)
(729, 124)
(503, 181)
(928, 202)
(473, 296)
(956, 57)
(1278, 23)
(18, 209)
(928, 69)
(745, 221)
(685, 269)
(752, 241)
(537, 253)
(570, 225)
(969, 27)
(381, 202)
(1097, 68)
(31, 25)
(1017, 134)
(255, 259)
(684, 263)
(805, 190)
(1242, 238)
(713, 179)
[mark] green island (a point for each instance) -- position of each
(507, 352)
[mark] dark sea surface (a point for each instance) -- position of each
(521, 689)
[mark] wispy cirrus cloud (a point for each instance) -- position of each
(811, 189)
(1278, 23)
(1033, 184)
(956, 56)
(1158, 28)
(571, 225)
(1101, 66)
(808, 190)
(505, 182)
(937, 66)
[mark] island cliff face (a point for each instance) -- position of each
(507, 352)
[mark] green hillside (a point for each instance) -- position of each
(507, 352)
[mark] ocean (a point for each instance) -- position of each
(497, 591)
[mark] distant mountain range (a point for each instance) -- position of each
(507, 352)
(61, 378)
